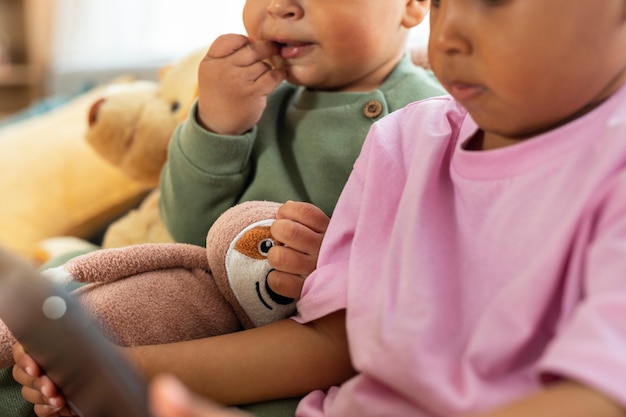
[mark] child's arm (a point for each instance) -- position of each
(300, 227)
(234, 80)
(280, 360)
(563, 399)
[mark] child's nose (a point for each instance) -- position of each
(447, 29)
(285, 9)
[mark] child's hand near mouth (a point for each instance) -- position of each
(235, 79)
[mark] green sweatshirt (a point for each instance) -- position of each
(302, 149)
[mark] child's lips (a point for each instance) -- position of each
(463, 91)
(290, 50)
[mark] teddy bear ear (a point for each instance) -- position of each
(164, 70)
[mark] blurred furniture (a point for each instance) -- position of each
(24, 52)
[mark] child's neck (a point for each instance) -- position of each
(484, 141)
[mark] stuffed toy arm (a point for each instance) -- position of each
(143, 294)
(108, 265)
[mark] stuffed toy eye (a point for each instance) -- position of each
(175, 106)
(265, 245)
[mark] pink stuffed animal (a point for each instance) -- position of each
(165, 292)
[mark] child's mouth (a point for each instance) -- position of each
(290, 50)
(464, 92)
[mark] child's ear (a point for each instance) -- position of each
(415, 12)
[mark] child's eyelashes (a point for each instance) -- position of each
(493, 2)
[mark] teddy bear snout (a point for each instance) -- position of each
(93, 111)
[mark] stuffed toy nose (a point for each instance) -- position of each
(93, 111)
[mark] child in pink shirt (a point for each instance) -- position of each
(475, 264)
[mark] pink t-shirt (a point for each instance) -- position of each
(469, 276)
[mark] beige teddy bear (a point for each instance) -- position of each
(129, 127)
(54, 183)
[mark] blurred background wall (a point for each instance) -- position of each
(94, 39)
(61, 47)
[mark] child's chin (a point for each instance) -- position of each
(291, 79)
(299, 75)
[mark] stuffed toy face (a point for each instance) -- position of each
(168, 292)
(241, 258)
(246, 257)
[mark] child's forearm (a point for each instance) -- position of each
(563, 399)
(280, 360)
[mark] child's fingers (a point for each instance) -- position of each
(42, 391)
(24, 361)
(264, 76)
(48, 411)
(291, 261)
(226, 45)
(37, 388)
(306, 214)
(300, 226)
(169, 398)
(33, 395)
(251, 56)
(254, 52)
(242, 50)
(28, 374)
(287, 285)
(270, 78)
(297, 236)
